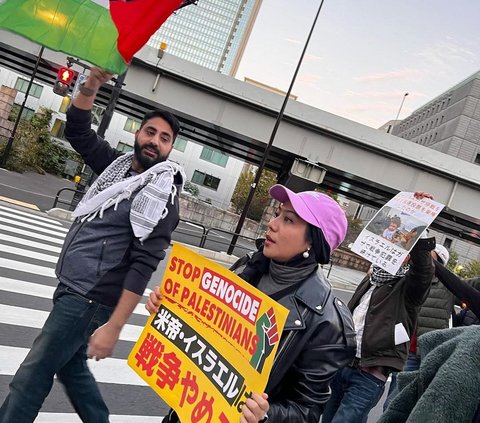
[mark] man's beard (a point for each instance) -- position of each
(146, 161)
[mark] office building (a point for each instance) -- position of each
(212, 33)
(449, 123)
(212, 171)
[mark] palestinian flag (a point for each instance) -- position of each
(105, 33)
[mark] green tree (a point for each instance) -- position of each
(453, 260)
(191, 188)
(33, 148)
(355, 226)
(470, 270)
(260, 198)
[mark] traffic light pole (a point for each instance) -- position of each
(254, 184)
(8, 147)
(108, 114)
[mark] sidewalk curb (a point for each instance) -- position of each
(60, 213)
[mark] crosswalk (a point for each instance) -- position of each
(30, 243)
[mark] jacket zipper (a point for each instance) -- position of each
(104, 243)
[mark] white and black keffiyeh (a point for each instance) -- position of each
(155, 186)
(381, 277)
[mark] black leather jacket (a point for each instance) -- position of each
(318, 339)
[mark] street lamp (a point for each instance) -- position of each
(401, 105)
(272, 137)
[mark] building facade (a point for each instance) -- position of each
(213, 172)
(450, 123)
(212, 33)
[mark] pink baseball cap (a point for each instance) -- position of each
(317, 209)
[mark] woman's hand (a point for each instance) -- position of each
(154, 300)
(255, 409)
(421, 194)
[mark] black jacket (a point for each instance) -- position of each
(392, 304)
(318, 339)
(436, 310)
(102, 257)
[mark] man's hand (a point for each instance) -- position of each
(421, 194)
(255, 409)
(97, 78)
(102, 342)
(154, 299)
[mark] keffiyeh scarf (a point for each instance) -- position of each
(155, 186)
(381, 277)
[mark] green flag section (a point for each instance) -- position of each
(86, 29)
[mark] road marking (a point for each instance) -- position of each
(18, 203)
(30, 234)
(33, 227)
(110, 370)
(27, 253)
(218, 235)
(29, 219)
(46, 219)
(114, 418)
(45, 291)
(28, 317)
(29, 243)
(27, 267)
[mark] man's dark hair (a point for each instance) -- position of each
(166, 116)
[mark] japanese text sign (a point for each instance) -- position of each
(394, 230)
(212, 342)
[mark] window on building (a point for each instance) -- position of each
(26, 113)
(124, 148)
(448, 243)
(58, 128)
(97, 114)
(180, 144)
(64, 104)
(214, 156)
(205, 180)
(477, 158)
(132, 125)
(22, 85)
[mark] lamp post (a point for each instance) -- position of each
(401, 105)
(272, 137)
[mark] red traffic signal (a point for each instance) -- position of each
(65, 75)
(62, 83)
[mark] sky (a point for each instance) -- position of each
(364, 55)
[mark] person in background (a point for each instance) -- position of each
(318, 338)
(435, 314)
(107, 259)
(385, 309)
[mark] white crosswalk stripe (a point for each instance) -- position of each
(29, 247)
(39, 223)
(29, 215)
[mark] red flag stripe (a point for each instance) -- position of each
(137, 21)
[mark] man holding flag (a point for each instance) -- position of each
(121, 230)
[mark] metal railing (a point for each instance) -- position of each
(70, 202)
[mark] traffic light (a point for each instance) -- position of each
(63, 81)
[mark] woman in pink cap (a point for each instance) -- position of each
(318, 338)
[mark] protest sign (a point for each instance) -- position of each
(212, 342)
(394, 230)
